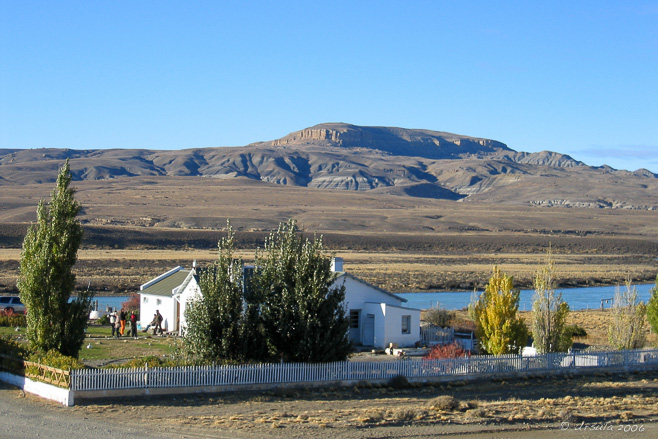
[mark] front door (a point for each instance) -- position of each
(369, 330)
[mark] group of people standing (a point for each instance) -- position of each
(118, 323)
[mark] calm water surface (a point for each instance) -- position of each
(577, 298)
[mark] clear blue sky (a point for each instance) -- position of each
(577, 77)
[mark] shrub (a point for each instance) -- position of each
(399, 382)
(575, 331)
(403, 415)
(444, 402)
(439, 317)
(104, 320)
(54, 358)
(12, 348)
(13, 320)
(452, 350)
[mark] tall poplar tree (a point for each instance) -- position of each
(498, 328)
(626, 330)
(46, 278)
(549, 311)
(652, 308)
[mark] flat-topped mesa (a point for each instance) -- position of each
(396, 141)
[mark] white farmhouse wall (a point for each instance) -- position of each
(393, 332)
(149, 303)
(190, 293)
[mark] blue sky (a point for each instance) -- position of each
(579, 78)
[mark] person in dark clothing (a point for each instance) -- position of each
(158, 322)
(133, 324)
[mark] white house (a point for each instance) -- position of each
(377, 317)
(164, 294)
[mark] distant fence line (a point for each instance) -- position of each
(348, 371)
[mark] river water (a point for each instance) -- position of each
(577, 298)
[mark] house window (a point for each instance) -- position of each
(158, 301)
(146, 300)
(354, 318)
(406, 324)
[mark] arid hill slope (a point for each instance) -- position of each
(396, 161)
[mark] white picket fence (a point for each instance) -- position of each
(350, 371)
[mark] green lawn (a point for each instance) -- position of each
(100, 345)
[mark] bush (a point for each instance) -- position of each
(439, 317)
(12, 348)
(399, 382)
(54, 358)
(13, 320)
(452, 350)
(445, 403)
(104, 320)
(575, 331)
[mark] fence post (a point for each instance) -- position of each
(146, 375)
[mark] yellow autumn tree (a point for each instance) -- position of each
(498, 328)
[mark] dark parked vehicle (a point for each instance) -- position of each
(11, 305)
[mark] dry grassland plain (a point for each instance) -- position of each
(137, 228)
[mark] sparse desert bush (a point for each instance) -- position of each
(404, 414)
(565, 415)
(477, 412)
(444, 402)
(399, 382)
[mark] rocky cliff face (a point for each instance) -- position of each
(405, 162)
(397, 141)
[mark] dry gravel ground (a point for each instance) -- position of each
(619, 405)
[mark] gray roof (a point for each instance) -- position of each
(346, 274)
(164, 286)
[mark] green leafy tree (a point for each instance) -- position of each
(627, 328)
(216, 319)
(652, 308)
(303, 316)
(549, 311)
(46, 278)
(498, 327)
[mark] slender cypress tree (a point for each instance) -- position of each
(46, 278)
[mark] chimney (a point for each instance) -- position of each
(336, 264)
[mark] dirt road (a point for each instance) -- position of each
(595, 406)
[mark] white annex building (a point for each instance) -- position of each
(377, 317)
